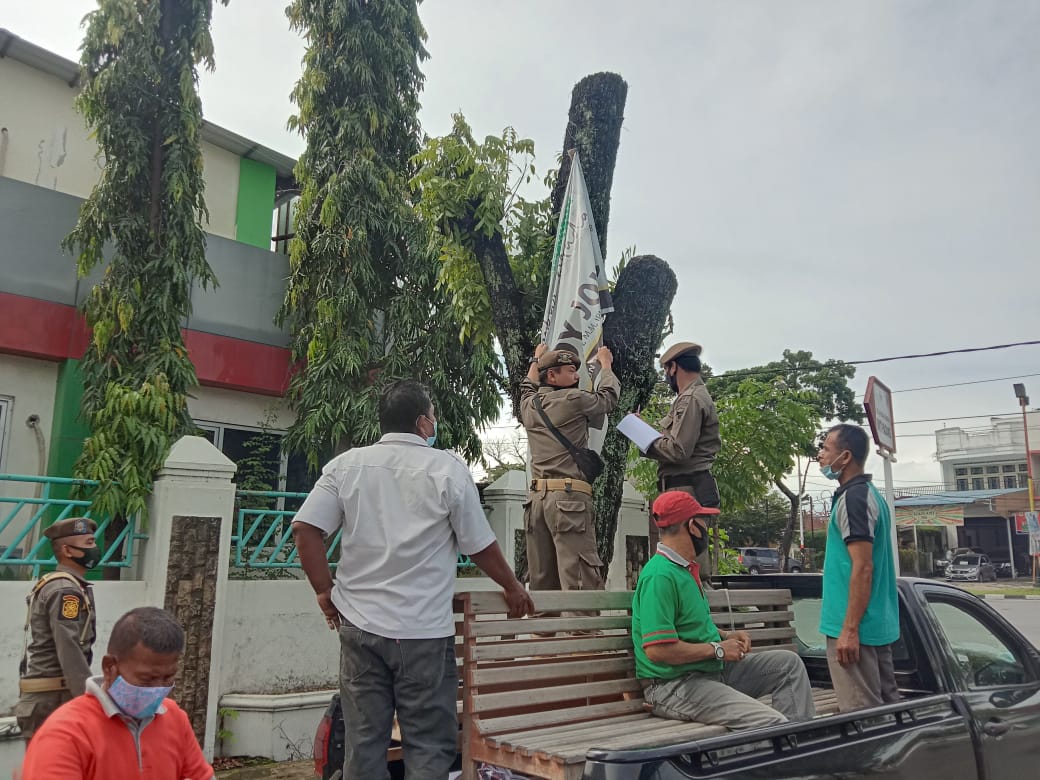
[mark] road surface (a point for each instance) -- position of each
(1023, 614)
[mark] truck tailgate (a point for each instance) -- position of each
(915, 740)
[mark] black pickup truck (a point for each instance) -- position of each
(971, 709)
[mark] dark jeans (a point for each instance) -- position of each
(418, 679)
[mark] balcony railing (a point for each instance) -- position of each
(29, 515)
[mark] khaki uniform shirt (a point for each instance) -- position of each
(690, 433)
(62, 630)
(572, 411)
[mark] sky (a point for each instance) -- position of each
(857, 179)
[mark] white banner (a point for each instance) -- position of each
(579, 298)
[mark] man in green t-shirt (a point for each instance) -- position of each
(691, 670)
(860, 612)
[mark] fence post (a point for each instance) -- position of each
(504, 499)
(185, 566)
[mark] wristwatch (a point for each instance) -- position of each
(720, 651)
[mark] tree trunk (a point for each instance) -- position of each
(594, 130)
(507, 307)
(792, 518)
(642, 299)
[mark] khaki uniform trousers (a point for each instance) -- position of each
(33, 709)
(561, 541)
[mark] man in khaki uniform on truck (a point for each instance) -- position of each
(689, 433)
(558, 516)
(60, 626)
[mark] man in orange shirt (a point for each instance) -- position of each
(124, 726)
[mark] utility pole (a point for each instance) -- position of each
(1023, 401)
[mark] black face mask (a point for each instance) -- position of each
(673, 382)
(90, 558)
(700, 543)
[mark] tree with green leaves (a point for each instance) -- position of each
(826, 386)
(760, 423)
(140, 66)
(495, 248)
(363, 305)
(759, 524)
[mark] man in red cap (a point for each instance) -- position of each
(690, 669)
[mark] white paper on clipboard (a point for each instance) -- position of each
(638, 431)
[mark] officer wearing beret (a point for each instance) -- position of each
(60, 626)
(558, 516)
(689, 433)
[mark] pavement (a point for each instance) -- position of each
(285, 770)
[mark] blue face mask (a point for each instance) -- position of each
(431, 440)
(136, 701)
(830, 473)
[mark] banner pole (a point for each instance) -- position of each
(890, 498)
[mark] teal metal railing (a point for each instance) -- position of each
(262, 537)
(27, 515)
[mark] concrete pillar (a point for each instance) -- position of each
(504, 499)
(630, 541)
(185, 565)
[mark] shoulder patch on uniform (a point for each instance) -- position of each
(70, 606)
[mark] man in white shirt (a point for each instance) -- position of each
(406, 510)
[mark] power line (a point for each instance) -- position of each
(960, 384)
(838, 363)
(944, 419)
(961, 351)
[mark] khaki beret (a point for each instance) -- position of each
(71, 526)
(678, 350)
(555, 358)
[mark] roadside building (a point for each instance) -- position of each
(47, 166)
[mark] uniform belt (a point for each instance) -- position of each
(569, 485)
(41, 684)
(680, 480)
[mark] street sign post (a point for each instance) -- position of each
(878, 404)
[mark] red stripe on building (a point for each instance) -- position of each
(45, 330)
(34, 328)
(237, 364)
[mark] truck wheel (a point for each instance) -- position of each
(796, 570)
(754, 570)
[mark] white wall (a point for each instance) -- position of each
(220, 170)
(275, 640)
(231, 407)
(29, 385)
(49, 144)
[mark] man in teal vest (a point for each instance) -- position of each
(860, 615)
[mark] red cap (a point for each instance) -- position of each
(676, 506)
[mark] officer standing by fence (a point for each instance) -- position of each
(558, 515)
(689, 433)
(60, 626)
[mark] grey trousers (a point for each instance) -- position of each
(418, 679)
(730, 699)
(869, 683)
